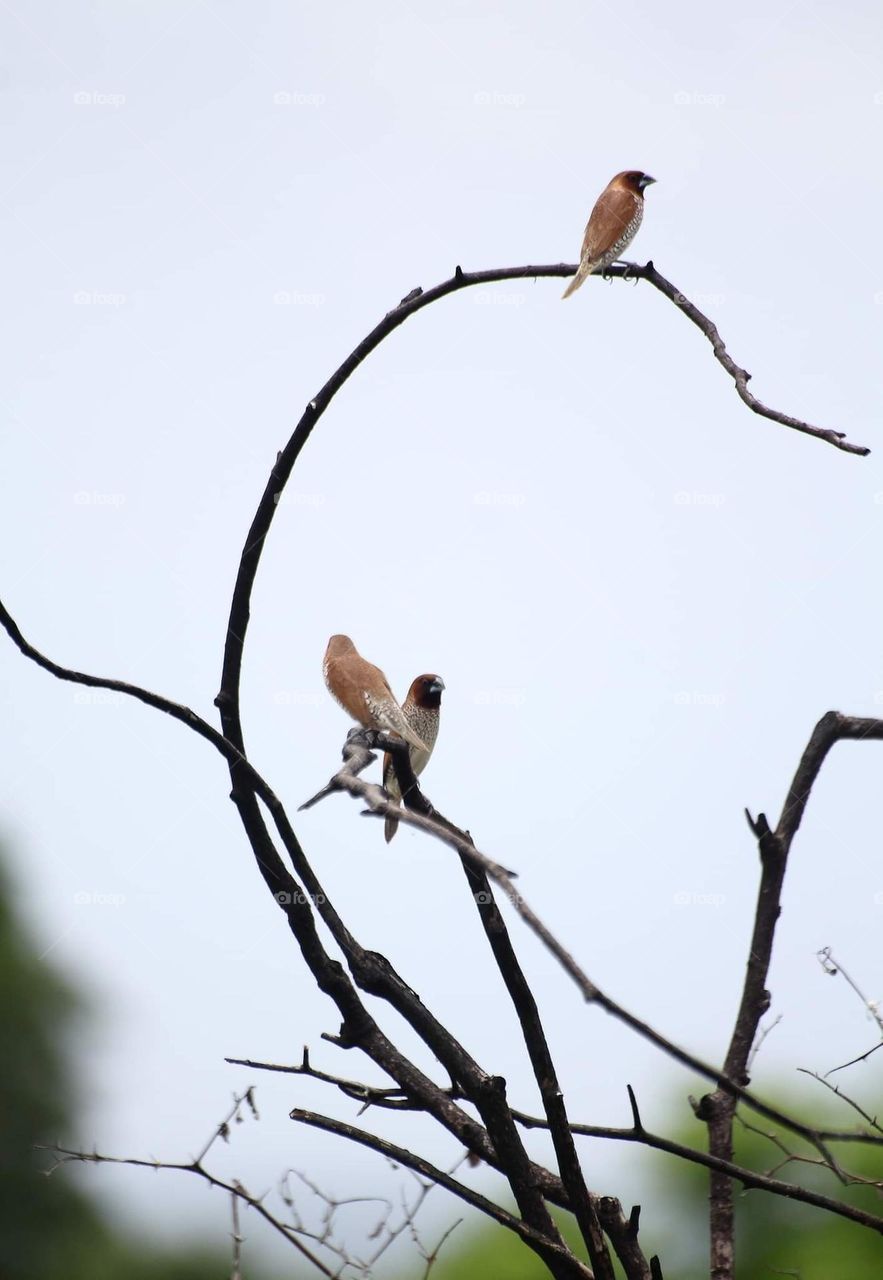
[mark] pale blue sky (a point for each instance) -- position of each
(640, 596)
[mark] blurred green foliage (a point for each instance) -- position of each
(48, 1229)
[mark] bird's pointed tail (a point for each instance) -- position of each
(390, 825)
(575, 282)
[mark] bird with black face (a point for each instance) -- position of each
(613, 224)
(422, 711)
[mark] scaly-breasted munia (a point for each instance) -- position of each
(613, 224)
(422, 710)
(363, 691)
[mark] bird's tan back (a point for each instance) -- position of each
(612, 220)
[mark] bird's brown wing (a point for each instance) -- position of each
(615, 209)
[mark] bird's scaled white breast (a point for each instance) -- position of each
(630, 231)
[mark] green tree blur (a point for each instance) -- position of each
(48, 1229)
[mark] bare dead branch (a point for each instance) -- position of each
(228, 697)
(498, 1142)
(392, 1099)
(718, 1109)
(347, 779)
(500, 1145)
(748, 1178)
(835, 1089)
(66, 1155)
(551, 1248)
(740, 377)
(761, 1036)
(833, 967)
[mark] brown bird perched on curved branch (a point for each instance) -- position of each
(422, 710)
(363, 691)
(613, 224)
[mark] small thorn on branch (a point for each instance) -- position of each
(759, 825)
(636, 1115)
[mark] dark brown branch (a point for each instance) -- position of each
(66, 1155)
(748, 1178)
(347, 779)
(740, 377)
(174, 709)
(830, 729)
(838, 1092)
(582, 1203)
(862, 1057)
(500, 1144)
(228, 697)
(557, 1256)
(623, 1233)
(718, 1109)
(367, 1095)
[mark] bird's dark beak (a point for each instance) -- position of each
(646, 180)
(437, 685)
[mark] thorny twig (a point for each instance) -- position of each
(387, 1230)
(833, 967)
(748, 1178)
(358, 757)
(835, 1089)
(67, 1155)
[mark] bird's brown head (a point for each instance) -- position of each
(426, 692)
(635, 180)
(338, 646)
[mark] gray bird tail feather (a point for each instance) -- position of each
(394, 719)
(390, 827)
